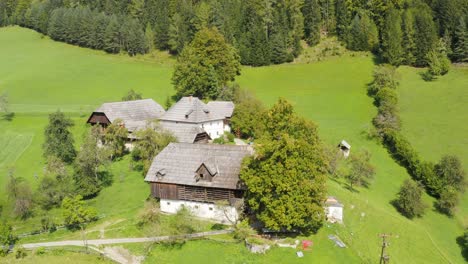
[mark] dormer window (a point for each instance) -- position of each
(205, 173)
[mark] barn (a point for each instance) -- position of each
(198, 176)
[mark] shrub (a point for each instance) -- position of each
(40, 251)
(409, 201)
(150, 214)
(448, 201)
(20, 252)
(384, 76)
(243, 230)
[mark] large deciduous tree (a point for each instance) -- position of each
(361, 171)
(58, 138)
(285, 179)
(205, 65)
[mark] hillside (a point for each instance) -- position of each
(42, 75)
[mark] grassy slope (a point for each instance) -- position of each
(434, 117)
(41, 75)
(332, 93)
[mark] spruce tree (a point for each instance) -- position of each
(425, 34)
(391, 38)
(149, 36)
(342, 19)
(460, 50)
(112, 36)
(161, 26)
(408, 42)
(312, 20)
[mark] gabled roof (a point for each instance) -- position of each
(225, 108)
(193, 110)
(333, 202)
(181, 161)
(133, 113)
(184, 132)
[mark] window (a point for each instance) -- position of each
(201, 175)
(196, 207)
(168, 203)
(211, 208)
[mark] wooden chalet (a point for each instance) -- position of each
(196, 176)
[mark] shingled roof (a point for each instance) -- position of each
(178, 163)
(184, 132)
(193, 110)
(225, 108)
(134, 114)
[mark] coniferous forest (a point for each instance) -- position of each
(263, 31)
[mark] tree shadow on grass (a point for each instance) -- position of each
(427, 76)
(8, 116)
(463, 244)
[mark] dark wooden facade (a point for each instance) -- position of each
(98, 118)
(192, 193)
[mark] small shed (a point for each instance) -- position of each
(334, 210)
(345, 148)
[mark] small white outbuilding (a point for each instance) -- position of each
(345, 148)
(334, 210)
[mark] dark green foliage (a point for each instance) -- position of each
(247, 113)
(363, 33)
(52, 190)
(384, 77)
(132, 95)
(450, 170)
(312, 21)
(161, 24)
(88, 176)
(460, 40)
(112, 36)
(409, 201)
(408, 39)
(6, 237)
(286, 177)
(342, 19)
(114, 138)
(58, 140)
(205, 65)
(424, 34)
(392, 37)
(448, 201)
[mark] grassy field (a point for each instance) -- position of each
(42, 76)
(434, 116)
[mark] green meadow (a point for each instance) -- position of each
(41, 76)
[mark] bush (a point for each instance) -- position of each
(438, 62)
(151, 214)
(20, 252)
(409, 201)
(448, 201)
(182, 222)
(243, 230)
(384, 76)
(40, 251)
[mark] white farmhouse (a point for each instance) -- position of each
(334, 210)
(213, 117)
(202, 177)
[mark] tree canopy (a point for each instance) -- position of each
(285, 179)
(58, 140)
(205, 65)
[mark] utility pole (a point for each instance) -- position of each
(384, 258)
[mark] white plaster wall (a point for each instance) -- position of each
(214, 128)
(201, 210)
(335, 213)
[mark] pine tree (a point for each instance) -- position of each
(112, 36)
(149, 36)
(342, 19)
(391, 38)
(460, 50)
(327, 8)
(425, 34)
(312, 20)
(161, 26)
(101, 21)
(408, 42)
(363, 33)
